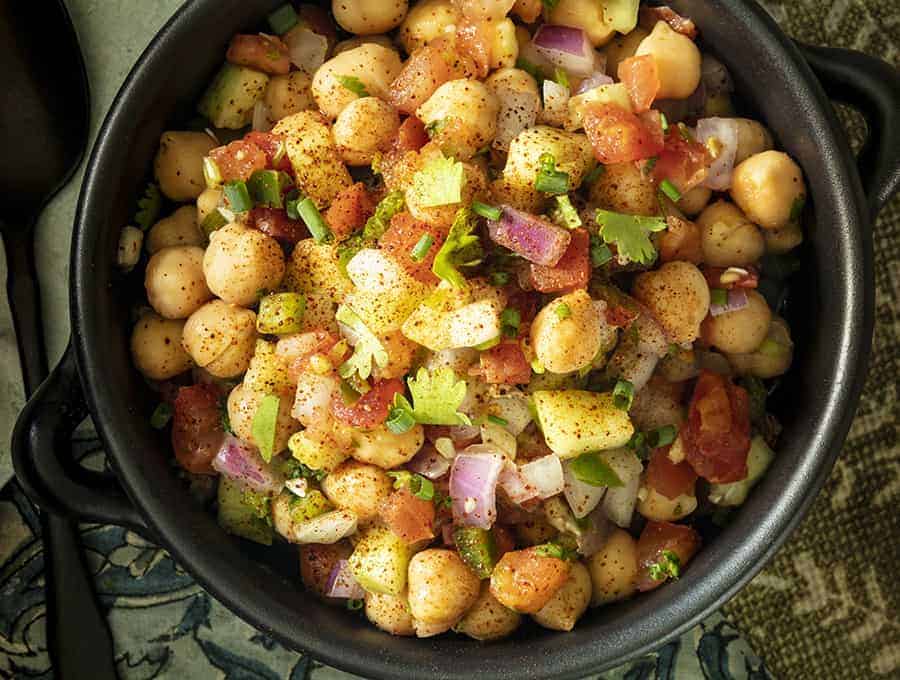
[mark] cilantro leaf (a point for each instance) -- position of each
(389, 206)
(461, 249)
(354, 84)
(149, 206)
(669, 565)
(439, 182)
(630, 234)
(591, 469)
(368, 347)
(264, 422)
(436, 398)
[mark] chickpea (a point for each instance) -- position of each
(767, 187)
(174, 281)
(208, 201)
(390, 613)
(780, 241)
(752, 138)
(242, 406)
(622, 188)
(289, 94)
(569, 602)
(472, 107)
(678, 296)
(240, 263)
(385, 449)
(677, 61)
(534, 531)
(741, 331)
(178, 229)
(365, 127)
(694, 201)
(657, 507)
(488, 619)
(586, 15)
(426, 21)
(727, 237)
(441, 587)
(772, 358)
(614, 569)
(156, 347)
(658, 404)
(368, 17)
(316, 562)
(221, 338)
(680, 241)
(358, 487)
(621, 47)
(356, 41)
(566, 342)
(375, 66)
(179, 164)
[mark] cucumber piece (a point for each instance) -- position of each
(243, 513)
(380, 561)
(735, 493)
(229, 100)
(576, 421)
(477, 549)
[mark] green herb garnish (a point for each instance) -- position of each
(623, 395)
(283, 19)
(669, 565)
(563, 311)
(436, 398)
(161, 416)
(549, 180)
(264, 424)
(510, 320)
(419, 486)
(670, 191)
(486, 211)
(497, 420)
(368, 349)
(630, 233)
(237, 196)
(591, 469)
(314, 221)
(662, 436)
(353, 84)
(149, 206)
(461, 249)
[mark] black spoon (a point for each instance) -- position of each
(43, 133)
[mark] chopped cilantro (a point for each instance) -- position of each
(510, 320)
(440, 182)
(563, 311)
(600, 252)
(565, 214)
(419, 486)
(389, 206)
(549, 180)
(436, 398)
(353, 84)
(630, 233)
(149, 206)
(461, 249)
(368, 348)
(264, 425)
(669, 565)
(161, 416)
(555, 550)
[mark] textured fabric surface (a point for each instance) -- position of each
(825, 607)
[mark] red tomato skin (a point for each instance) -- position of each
(717, 435)
(473, 40)
(658, 536)
(619, 136)
(424, 72)
(411, 518)
(275, 222)
(372, 408)
(573, 271)
(270, 144)
(197, 428)
(640, 76)
(263, 52)
(668, 478)
(402, 236)
(683, 162)
(411, 136)
(238, 160)
(349, 210)
(505, 364)
(650, 15)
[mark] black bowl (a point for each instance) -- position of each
(832, 320)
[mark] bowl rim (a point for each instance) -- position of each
(702, 590)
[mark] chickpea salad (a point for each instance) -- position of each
(473, 301)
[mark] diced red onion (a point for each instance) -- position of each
(725, 131)
(545, 474)
(619, 501)
(737, 299)
(532, 237)
(473, 485)
(429, 463)
(592, 539)
(306, 49)
(593, 81)
(582, 497)
(566, 47)
(241, 462)
(262, 121)
(714, 75)
(514, 485)
(342, 584)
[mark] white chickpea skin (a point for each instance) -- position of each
(569, 602)
(179, 164)
(221, 338)
(379, 446)
(375, 66)
(441, 587)
(426, 21)
(487, 619)
(565, 342)
(678, 296)
(369, 17)
(727, 237)
(289, 94)
(240, 263)
(471, 104)
(614, 569)
(740, 331)
(622, 188)
(768, 187)
(390, 613)
(677, 61)
(752, 138)
(174, 281)
(178, 229)
(156, 347)
(359, 487)
(364, 128)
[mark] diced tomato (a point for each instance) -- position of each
(402, 236)
(619, 136)
(668, 478)
(197, 428)
(620, 316)
(272, 145)
(573, 270)
(238, 160)
(680, 241)
(658, 537)
(640, 76)
(275, 222)
(473, 40)
(683, 161)
(505, 364)
(411, 518)
(504, 541)
(265, 53)
(349, 210)
(748, 279)
(525, 580)
(372, 408)
(649, 16)
(717, 435)
(424, 72)
(412, 135)
(461, 435)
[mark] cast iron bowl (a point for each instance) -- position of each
(831, 314)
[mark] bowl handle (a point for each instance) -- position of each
(871, 86)
(43, 461)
